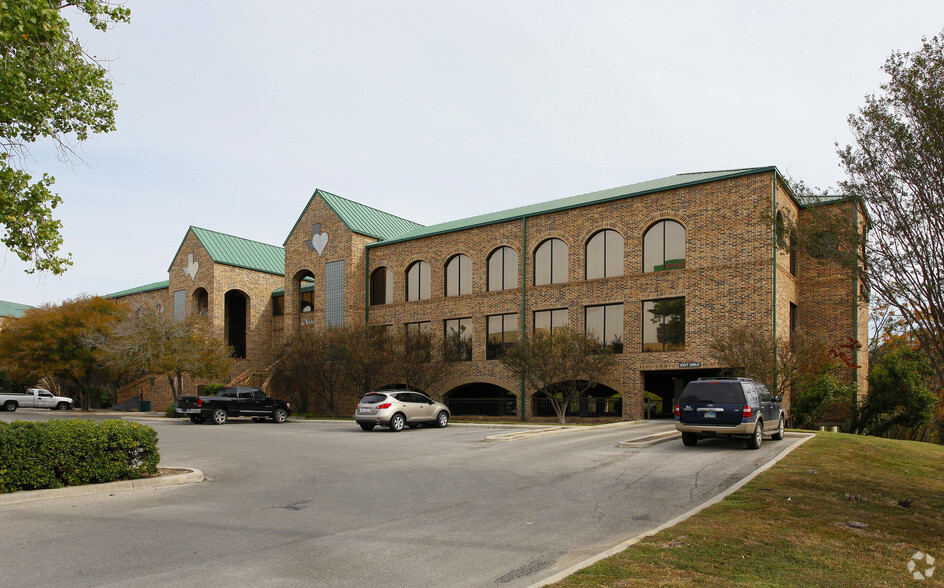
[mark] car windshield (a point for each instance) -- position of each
(717, 392)
(374, 398)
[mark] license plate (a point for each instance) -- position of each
(363, 410)
(710, 415)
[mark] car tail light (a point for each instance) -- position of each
(199, 402)
(385, 405)
(746, 412)
(678, 410)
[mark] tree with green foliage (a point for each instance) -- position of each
(561, 365)
(51, 89)
(895, 171)
(900, 400)
(149, 340)
(52, 342)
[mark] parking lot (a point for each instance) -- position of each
(324, 503)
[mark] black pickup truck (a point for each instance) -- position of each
(233, 402)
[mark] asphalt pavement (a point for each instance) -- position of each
(324, 503)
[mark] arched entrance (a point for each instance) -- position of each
(481, 399)
(236, 322)
(201, 301)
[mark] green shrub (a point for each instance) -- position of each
(212, 389)
(53, 454)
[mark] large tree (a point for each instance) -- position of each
(150, 340)
(900, 401)
(896, 172)
(52, 342)
(50, 88)
(561, 365)
(314, 367)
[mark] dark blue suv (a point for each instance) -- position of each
(728, 407)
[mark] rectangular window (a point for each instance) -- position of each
(663, 325)
(381, 330)
(180, 308)
(793, 254)
(793, 323)
(502, 334)
(421, 328)
(605, 324)
(278, 306)
(457, 339)
(417, 340)
(334, 294)
(550, 320)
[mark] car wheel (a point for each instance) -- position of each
(9, 406)
(219, 416)
(779, 434)
(279, 415)
(62, 406)
(442, 419)
(758, 437)
(397, 422)
(367, 426)
(690, 439)
(197, 419)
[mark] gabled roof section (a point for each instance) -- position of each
(632, 190)
(140, 289)
(359, 218)
(12, 309)
(238, 252)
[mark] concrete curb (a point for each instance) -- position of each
(181, 476)
(714, 500)
(555, 430)
(651, 440)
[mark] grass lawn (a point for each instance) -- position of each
(790, 525)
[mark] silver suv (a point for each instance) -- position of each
(728, 407)
(399, 408)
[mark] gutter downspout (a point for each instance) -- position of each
(776, 372)
(524, 292)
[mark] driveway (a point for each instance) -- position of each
(315, 503)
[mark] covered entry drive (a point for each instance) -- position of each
(662, 387)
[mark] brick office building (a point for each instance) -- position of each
(656, 270)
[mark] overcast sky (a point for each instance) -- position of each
(232, 112)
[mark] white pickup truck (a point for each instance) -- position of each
(34, 398)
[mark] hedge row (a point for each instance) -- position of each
(53, 454)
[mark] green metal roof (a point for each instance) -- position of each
(308, 285)
(146, 288)
(238, 252)
(361, 219)
(12, 309)
(648, 187)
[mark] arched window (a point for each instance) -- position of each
(417, 281)
(459, 275)
(605, 255)
(550, 263)
(381, 286)
(664, 247)
(503, 269)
